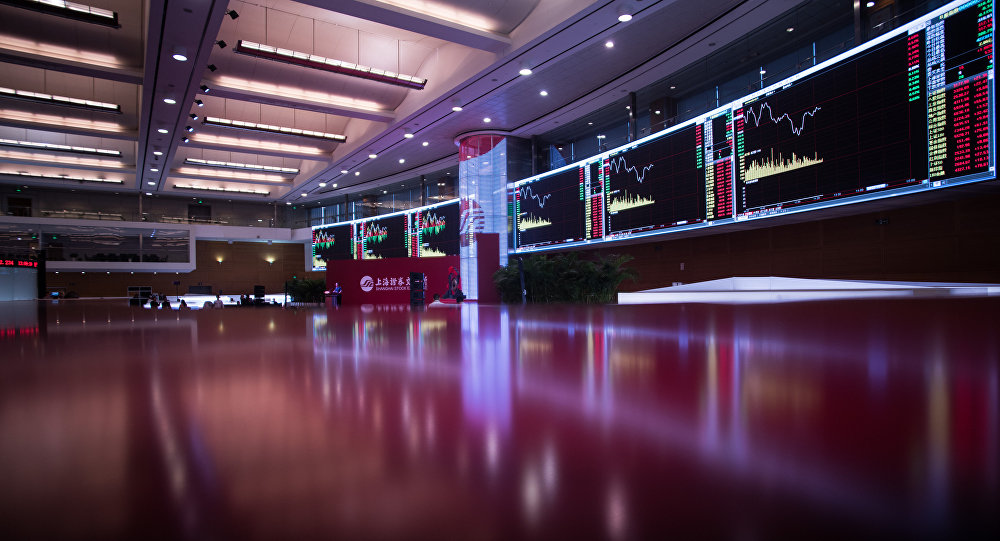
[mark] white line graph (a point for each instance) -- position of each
(619, 163)
(540, 199)
(757, 117)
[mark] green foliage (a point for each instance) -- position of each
(564, 278)
(305, 290)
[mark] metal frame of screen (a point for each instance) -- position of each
(411, 241)
(794, 146)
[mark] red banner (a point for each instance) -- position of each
(386, 281)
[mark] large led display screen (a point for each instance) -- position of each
(434, 230)
(332, 243)
(654, 185)
(427, 231)
(551, 210)
(857, 127)
(908, 112)
(382, 237)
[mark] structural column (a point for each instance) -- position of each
(487, 162)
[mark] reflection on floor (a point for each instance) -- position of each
(834, 419)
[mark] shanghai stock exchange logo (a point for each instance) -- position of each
(367, 284)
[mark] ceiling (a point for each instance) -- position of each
(159, 141)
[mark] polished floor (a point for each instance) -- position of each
(817, 420)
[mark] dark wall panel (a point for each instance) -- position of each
(953, 240)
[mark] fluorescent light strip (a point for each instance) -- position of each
(230, 174)
(59, 121)
(242, 166)
(217, 189)
(70, 10)
(328, 64)
(255, 144)
(254, 126)
(60, 177)
(39, 97)
(53, 159)
(60, 148)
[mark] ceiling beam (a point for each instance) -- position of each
(120, 74)
(223, 90)
(419, 23)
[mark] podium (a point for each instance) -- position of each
(416, 289)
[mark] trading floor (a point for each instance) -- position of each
(815, 420)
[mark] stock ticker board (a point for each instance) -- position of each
(434, 231)
(428, 231)
(908, 112)
(332, 243)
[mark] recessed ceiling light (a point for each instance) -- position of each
(356, 173)
(590, 123)
(169, 101)
(305, 194)
(163, 130)
(408, 135)
(672, 87)
(457, 108)
(153, 169)
(149, 193)
(790, 29)
(334, 185)
(288, 202)
(763, 71)
(402, 160)
(322, 185)
(656, 112)
(385, 191)
(543, 93)
(151, 183)
(525, 71)
(425, 143)
(157, 153)
(487, 120)
(372, 156)
(609, 44)
(180, 57)
(344, 171)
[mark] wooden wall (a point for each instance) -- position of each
(243, 266)
(951, 241)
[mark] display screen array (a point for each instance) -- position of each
(908, 112)
(421, 232)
